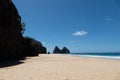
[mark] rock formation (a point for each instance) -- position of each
(12, 43)
(56, 50)
(11, 40)
(34, 46)
(63, 51)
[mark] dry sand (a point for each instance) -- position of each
(62, 67)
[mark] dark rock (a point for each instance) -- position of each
(11, 40)
(56, 50)
(48, 52)
(63, 51)
(34, 46)
(12, 44)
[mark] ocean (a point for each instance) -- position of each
(98, 55)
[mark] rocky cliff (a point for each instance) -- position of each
(11, 40)
(34, 46)
(12, 43)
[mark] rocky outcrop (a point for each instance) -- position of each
(63, 51)
(34, 46)
(12, 43)
(56, 50)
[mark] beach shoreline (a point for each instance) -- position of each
(62, 67)
(95, 56)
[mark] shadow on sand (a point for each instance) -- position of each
(9, 63)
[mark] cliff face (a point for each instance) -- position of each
(12, 43)
(11, 40)
(63, 51)
(33, 46)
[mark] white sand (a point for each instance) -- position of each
(62, 67)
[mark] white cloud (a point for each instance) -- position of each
(80, 33)
(108, 18)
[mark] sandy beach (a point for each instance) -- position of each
(62, 67)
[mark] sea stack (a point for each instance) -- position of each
(63, 51)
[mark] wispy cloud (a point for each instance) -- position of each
(108, 18)
(72, 41)
(83, 21)
(80, 33)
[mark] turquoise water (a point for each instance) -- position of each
(98, 55)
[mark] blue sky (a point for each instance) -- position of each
(80, 25)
